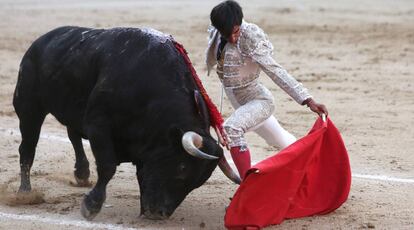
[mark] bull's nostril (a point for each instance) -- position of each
(155, 213)
(166, 214)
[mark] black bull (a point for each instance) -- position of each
(131, 94)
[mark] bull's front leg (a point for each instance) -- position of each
(103, 150)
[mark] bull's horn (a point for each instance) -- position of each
(228, 171)
(192, 142)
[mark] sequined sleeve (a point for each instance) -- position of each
(282, 78)
(255, 44)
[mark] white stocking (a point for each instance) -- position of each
(274, 134)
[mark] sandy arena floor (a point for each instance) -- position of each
(355, 56)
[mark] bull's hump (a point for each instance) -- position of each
(153, 34)
(162, 37)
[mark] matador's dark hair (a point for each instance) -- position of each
(225, 16)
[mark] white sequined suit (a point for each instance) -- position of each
(238, 69)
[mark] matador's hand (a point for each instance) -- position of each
(316, 107)
(222, 138)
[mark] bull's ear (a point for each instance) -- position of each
(202, 109)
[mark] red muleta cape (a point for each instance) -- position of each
(310, 177)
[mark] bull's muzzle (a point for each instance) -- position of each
(159, 215)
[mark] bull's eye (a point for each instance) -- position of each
(182, 167)
(182, 171)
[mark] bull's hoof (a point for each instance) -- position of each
(86, 213)
(25, 188)
(90, 208)
(82, 178)
(82, 182)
